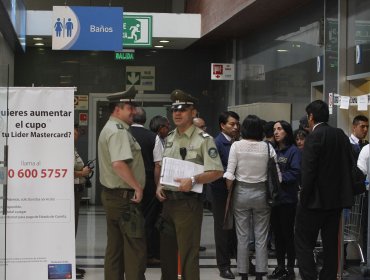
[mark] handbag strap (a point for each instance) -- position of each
(268, 158)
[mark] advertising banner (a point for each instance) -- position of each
(87, 28)
(40, 235)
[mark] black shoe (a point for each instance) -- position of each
(278, 272)
(288, 275)
(244, 276)
(227, 273)
(202, 249)
(80, 270)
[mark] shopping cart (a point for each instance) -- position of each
(349, 232)
(351, 220)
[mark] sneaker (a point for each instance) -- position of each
(278, 272)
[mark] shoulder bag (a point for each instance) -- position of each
(272, 181)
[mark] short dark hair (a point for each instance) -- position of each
(157, 122)
(359, 118)
(140, 116)
(268, 129)
(301, 133)
(222, 119)
(319, 110)
(288, 139)
(252, 128)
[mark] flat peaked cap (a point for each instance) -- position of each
(126, 96)
(180, 97)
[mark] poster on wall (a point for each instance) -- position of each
(40, 237)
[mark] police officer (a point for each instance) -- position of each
(122, 175)
(182, 209)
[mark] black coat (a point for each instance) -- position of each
(326, 170)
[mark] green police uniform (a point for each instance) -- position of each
(183, 212)
(126, 247)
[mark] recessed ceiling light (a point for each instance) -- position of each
(164, 41)
(39, 44)
(158, 46)
(282, 50)
(37, 39)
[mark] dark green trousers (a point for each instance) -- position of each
(125, 256)
(185, 217)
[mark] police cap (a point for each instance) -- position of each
(127, 96)
(181, 99)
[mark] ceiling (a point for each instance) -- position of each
(149, 6)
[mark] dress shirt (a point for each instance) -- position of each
(363, 159)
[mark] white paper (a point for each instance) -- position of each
(344, 102)
(362, 102)
(175, 168)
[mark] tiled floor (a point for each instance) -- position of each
(91, 241)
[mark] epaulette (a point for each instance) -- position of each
(120, 126)
(204, 134)
(171, 132)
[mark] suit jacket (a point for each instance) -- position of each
(146, 140)
(326, 169)
(223, 146)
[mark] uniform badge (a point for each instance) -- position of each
(212, 152)
(119, 126)
(169, 144)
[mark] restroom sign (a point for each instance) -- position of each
(222, 71)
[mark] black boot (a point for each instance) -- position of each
(244, 276)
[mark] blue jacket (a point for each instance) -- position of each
(289, 160)
(223, 147)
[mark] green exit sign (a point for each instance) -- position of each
(124, 56)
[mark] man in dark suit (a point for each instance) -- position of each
(225, 240)
(146, 140)
(326, 190)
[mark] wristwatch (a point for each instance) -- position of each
(193, 181)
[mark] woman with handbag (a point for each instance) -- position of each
(283, 213)
(247, 166)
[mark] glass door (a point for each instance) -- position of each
(4, 87)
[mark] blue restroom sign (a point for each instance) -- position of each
(87, 28)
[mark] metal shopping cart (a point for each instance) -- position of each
(352, 228)
(349, 232)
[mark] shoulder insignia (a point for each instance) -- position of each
(171, 132)
(212, 152)
(119, 126)
(169, 144)
(205, 134)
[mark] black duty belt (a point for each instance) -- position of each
(124, 193)
(79, 187)
(181, 195)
